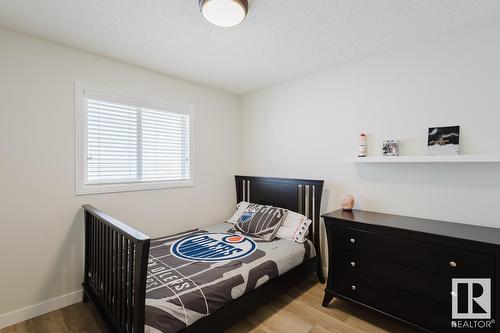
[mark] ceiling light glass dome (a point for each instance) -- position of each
(224, 13)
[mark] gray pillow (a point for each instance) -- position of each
(261, 221)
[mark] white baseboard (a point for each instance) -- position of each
(17, 316)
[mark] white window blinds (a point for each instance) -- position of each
(113, 145)
(127, 144)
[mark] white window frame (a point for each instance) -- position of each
(83, 90)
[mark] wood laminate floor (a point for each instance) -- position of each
(297, 311)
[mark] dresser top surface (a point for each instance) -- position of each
(435, 227)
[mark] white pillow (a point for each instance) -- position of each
(295, 227)
(240, 209)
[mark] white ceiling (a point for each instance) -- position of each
(280, 39)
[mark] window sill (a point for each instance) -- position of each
(113, 188)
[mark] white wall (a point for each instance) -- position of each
(41, 223)
(306, 127)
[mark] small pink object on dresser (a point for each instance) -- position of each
(347, 202)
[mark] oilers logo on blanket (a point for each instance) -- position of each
(213, 247)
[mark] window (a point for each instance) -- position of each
(126, 143)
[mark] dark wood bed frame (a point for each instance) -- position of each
(116, 258)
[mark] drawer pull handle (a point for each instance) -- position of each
(353, 287)
(352, 240)
(453, 264)
(353, 264)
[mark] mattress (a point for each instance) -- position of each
(193, 274)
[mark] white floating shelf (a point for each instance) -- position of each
(427, 159)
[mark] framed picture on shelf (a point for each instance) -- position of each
(390, 148)
(444, 140)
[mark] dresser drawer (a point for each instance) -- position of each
(417, 282)
(449, 261)
(428, 314)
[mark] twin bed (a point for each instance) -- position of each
(200, 280)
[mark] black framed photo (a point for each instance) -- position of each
(444, 140)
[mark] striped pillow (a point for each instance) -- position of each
(261, 221)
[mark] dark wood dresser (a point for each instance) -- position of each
(404, 267)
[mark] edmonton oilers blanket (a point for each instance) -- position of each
(193, 274)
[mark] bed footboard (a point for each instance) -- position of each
(116, 261)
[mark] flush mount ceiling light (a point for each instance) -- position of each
(224, 13)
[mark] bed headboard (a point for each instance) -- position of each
(299, 195)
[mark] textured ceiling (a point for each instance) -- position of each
(280, 39)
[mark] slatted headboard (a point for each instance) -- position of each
(299, 195)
